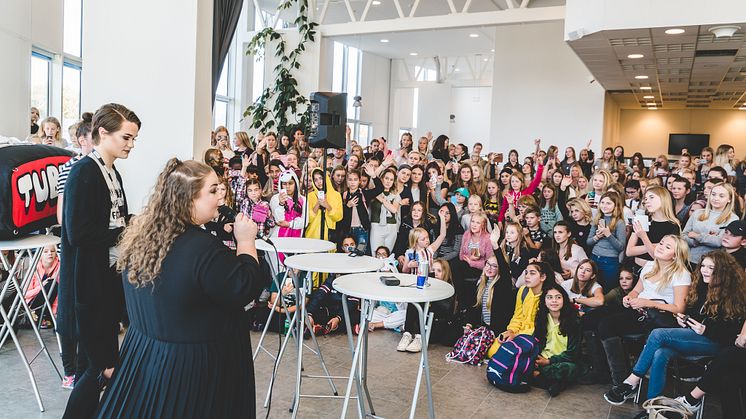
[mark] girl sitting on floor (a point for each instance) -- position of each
(47, 273)
(557, 330)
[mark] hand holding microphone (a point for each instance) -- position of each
(244, 229)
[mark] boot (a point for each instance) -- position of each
(599, 373)
(617, 359)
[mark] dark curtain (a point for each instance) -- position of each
(224, 22)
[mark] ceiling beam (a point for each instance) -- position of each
(447, 21)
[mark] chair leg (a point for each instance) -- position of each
(678, 376)
(639, 390)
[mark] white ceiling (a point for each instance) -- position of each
(692, 70)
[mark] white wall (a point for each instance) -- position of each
(472, 108)
(47, 18)
(374, 89)
(15, 49)
(541, 89)
(166, 83)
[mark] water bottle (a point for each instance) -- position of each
(423, 269)
(286, 327)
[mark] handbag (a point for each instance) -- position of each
(665, 408)
(654, 318)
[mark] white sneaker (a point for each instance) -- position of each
(406, 339)
(692, 408)
(415, 345)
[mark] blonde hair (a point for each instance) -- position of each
(727, 211)
(666, 204)
(583, 206)
(148, 239)
(678, 266)
(721, 155)
(483, 284)
(58, 136)
(518, 243)
(414, 236)
(608, 180)
(447, 274)
(242, 138)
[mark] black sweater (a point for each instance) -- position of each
(90, 296)
(365, 197)
(717, 329)
(503, 300)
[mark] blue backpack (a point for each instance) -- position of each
(513, 363)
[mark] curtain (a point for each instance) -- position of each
(224, 22)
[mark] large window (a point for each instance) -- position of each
(221, 113)
(70, 97)
(40, 83)
(72, 15)
(346, 71)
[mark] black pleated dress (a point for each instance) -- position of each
(187, 352)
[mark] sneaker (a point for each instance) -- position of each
(68, 382)
(415, 345)
(691, 408)
(406, 339)
(620, 394)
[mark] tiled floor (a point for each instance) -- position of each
(459, 391)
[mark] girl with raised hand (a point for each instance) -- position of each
(495, 297)
(582, 289)
(662, 287)
(518, 188)
(384, 213)
(570, 253)
(556, 327)
(704, 230)
(608, 236)
(662, 222)
(579, 218)
(356, 218)
(288, 207)
(715, 310)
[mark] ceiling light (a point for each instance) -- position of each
(384, 41)
(376, 3)
(646, 88)
(413, 54)
(651, 104)
(641, 77)
(473, 35)
(725, 31)
(742, 108)
(652, 109)
(634, 56)
(492, 50)
(649, 97)
(457, 69)
(486, 59)
(674, 31)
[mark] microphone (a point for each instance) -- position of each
(228, 213)
(259, 217)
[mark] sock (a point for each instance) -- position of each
(691, 400)
(627, 381)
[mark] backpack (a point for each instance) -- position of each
(472, 346)
(512, 363)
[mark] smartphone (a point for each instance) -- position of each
(321, 194)
(390, 281)
(643, 220)
(601, 223)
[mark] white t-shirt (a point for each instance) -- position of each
(567, 285)
(650, 289)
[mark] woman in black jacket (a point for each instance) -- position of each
(716, 309)
(418, 217)
(357, 199)
(90, 293)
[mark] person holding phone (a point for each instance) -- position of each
(661, 221)
(608, 237)
(716, 308)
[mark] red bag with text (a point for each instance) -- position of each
(28, 187)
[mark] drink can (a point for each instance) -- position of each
(422, 271)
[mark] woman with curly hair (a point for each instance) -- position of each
(716, 308)
(187, 352)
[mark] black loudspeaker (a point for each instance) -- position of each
(328, 120)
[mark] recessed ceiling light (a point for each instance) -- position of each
(646, 88)
(384, 40)
(413, 54)
(642, 77)
(674, 31)
(634, 56)
(376, 3)
(473, 35)
(492, 50)
(649, 97)
(457, 69)
(486, 59)
(652, 109)
(742, 108)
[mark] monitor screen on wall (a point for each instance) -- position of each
(692, 142)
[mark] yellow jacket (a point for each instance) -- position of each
(524, 316)
(332, 215)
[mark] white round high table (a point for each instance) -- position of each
(287, 245)
(31, 246)
(369, 289)
(332, 263)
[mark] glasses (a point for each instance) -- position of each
(220, 138)
(491, 265)
(381, 255)
(630, 191)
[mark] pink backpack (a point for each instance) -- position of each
(472, 346)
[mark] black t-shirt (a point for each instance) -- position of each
(740, 256)
(658, 230)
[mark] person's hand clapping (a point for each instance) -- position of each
(244, 229)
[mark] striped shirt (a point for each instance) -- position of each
(486, 314)
(64, 171)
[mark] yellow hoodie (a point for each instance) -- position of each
(524, 316)
(332, 215)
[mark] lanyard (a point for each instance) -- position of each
(115, 190)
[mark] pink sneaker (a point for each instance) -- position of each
(68, 382)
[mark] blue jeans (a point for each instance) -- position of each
(662, 346)
(361, 238)
(608, 271)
